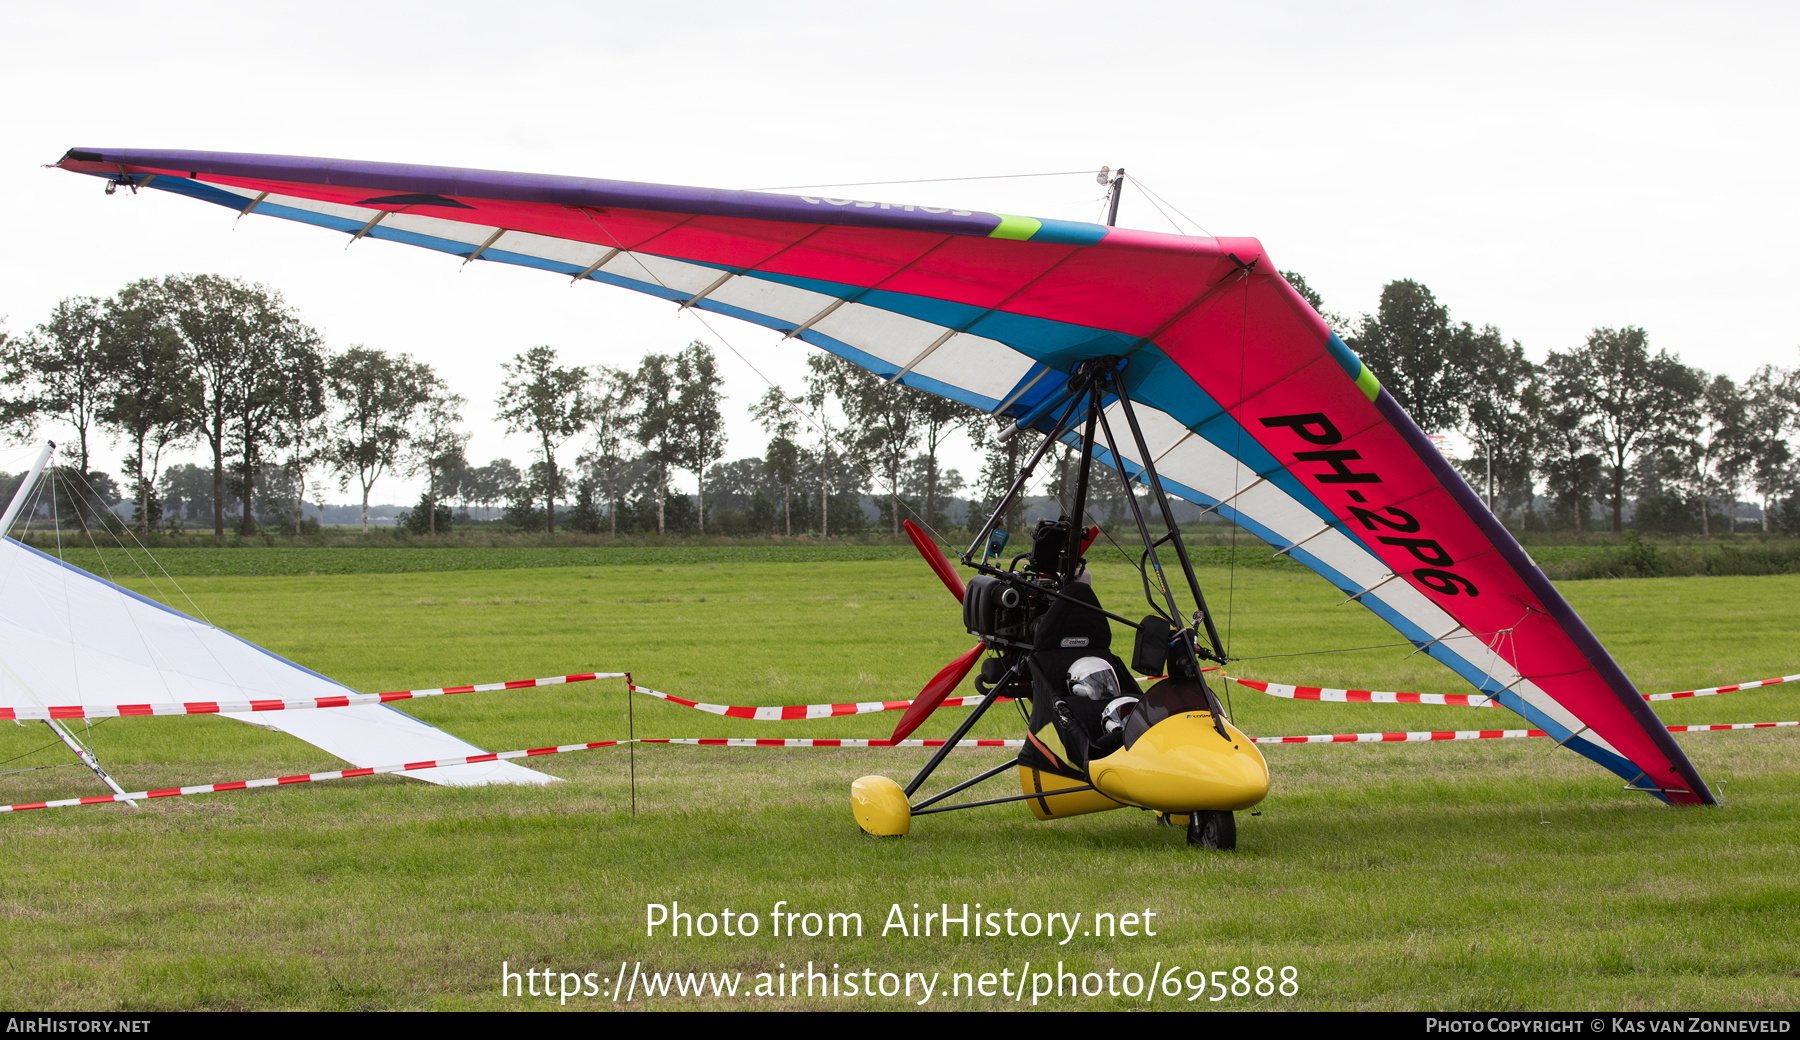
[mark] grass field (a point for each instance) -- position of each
(1495, 874)
(1599, 560)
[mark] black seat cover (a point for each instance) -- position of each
(1067, 633)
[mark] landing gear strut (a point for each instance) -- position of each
(1213, 829)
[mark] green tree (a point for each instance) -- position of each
(1566, 460)
(1498, 409)
(779, 415)
(701, 421)
(149, 389)
(377, 395)
(551, 403)
(1314, 300)
(280, 393)
(488, 485)
(256, 369)
(1634, 400)
(1708, 457)
(57, 373)
(610, 419)
(939, 418)
(1411, 346)
(827, 378)
(1001, 465)
(1772, 405)
(882, 421)
(436, 446)
(656, 423)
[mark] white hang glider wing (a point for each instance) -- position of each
(70, 637)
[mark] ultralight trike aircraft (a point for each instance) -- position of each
(1222, 385)
(1094, 740)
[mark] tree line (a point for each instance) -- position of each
(1607, 423)
(204, 361)
(209, 362)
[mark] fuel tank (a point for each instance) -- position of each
(1048, 805)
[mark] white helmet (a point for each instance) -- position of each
(1093, 678)
(1116, 711)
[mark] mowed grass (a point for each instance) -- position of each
(1494, 874)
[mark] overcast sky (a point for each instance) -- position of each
(1545, 168)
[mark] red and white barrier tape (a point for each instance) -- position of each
(790, 712)
(1721, 689)
(821, 742)
(500, 756)
(1407, 738)
(1322, 693)
(308, 778)
(1468, 700)
(497, 756)
(1412, 737)
(100, 711)
(1419, 736)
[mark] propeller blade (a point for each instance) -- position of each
(940, 564)
(935, 691)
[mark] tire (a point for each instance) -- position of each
(1213, 829)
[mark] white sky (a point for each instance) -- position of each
(1546, 168)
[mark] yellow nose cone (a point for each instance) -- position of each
(880, 807)
(1182, 764)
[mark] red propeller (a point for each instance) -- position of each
(953, 673)
(934, 556)
(936, 690)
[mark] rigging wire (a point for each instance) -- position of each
(1148, 191)
(1179, 230)
(926, 180)
(68, 607)
(1314, 653)
(144, 640)
(33, 769)
(1237, 452)
(54, 743)
(75, 498)
(28, 754)
(824, 435)
(152, 558)
(1497, 635)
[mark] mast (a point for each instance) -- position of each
(25, 486)
(1118, 182)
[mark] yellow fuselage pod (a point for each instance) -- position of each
(1182, 764)
(1048, 805)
